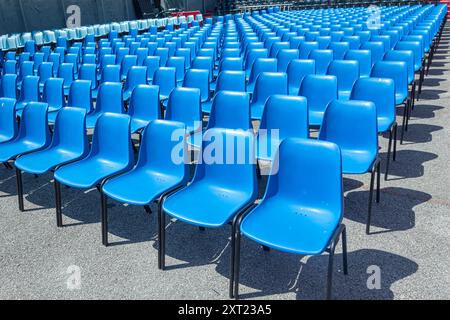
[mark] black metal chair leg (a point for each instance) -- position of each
(369, 215)
(104, 213)
(57, 185)
(408, 114)
(344, 250)
(378, 180)
(403, 124)
(394, 156)
(161, 237)
(330, 272)
(233, 249)
(237, 262)
(388, 159)
(19, 189)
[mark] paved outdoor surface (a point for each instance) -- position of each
(410, 244)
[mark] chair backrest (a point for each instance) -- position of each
(179, 64)
(26, 69)
(144, 103)
(346, 72)
(127, 62)
(284, 57)
(165, 78)
(120, 54)
(112, 140)
(152, 64)
(231, 53)
(109, 98)
(320, 90)
(30, 89)
(10, 67)
(296, 71)
(339, 49)
(397, 71)
(9, 86)
(364, 58)
(80, 95)
(231, 81)
(156, 151)
(89, 58)
(231, 110)
(380, 91)
(402, 55)
(262, 65)
(184, 106)
(233, 64)
(254, 54)
(269, 83)
(163, 54)
(415, 47)
(235, 167)
(136, 76)
(33, 125)
(107, 60)
(73, 59)
(89, 72)
(8, 123)
(306, 47)
(110, 74)
(198, 78)
(66, 72)
(376, 48)
(204, 63)
(70, 131)
(312, 169)
(53, 93)
(353, 41)
(141, 54)
(186, 53)
(352, 125)
(323, 58)
(277, 46)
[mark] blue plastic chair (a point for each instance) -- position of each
(136, 76)
(319, 91)
(254, 54)
(109, 100)
(283, 117)
(277, 46)
(184, 105)
(8, 123)
(128, 62)
(346, 72)
(376, 49)
(53, 94)
(179, 64)
(110, 74)
(186, 53)
(120, 54)
(267, 84)
(296, 71)
(204, 63)
(229, 81)
(152, 64)
(302, 209)
(155, 175)
(38, 60)
(364, 61)
(165, 78)
(89, 58)
(284, 57)
(380, 91)
(69, 143)
(163, 54)
(73, 59)
(306, 47)
(55, 58)
(397, 71)
(66, 72)
(406, 56)
(339, 49)
(144, 107)
(45, 72)
(111, 154)
(9, 86)
(225, 189)
(10, 67)
(198, 78)
(25, 69)
(259, 66)
(230, 110)
(29, 92)
(33, 134)
(352, 125)
(323, 58)
(89, 72)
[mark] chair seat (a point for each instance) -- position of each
(13, 149)
(357, 161)
(5, 137)
(257, 110)
(88, 173)
(138, 124)
(400, 98)
(42, 162)
(301, 230)
(293, 90)
(139, 187)
(384, 124)
(344, 95)
(316, 118)
(206, 205)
